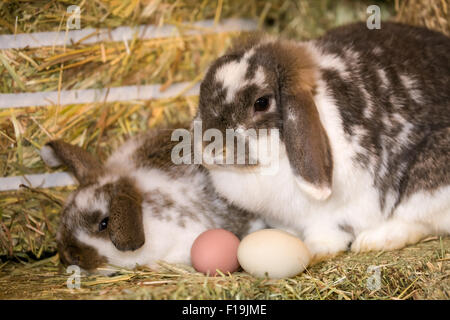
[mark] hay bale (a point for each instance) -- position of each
(433, 14)
(29, 220)
(309, 19)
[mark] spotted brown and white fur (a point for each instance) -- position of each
(138, 207)
(364, 122)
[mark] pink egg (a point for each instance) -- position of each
(215, 249)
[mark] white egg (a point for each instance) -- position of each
(275, 252)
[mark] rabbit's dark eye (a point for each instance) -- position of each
(103, 224)
(261, 104)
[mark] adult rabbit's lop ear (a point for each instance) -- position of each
(83, 165)
(305, 139)
(125, 225)
(307, 145)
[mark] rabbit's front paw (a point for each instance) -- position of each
(389, 236)
(326, 245)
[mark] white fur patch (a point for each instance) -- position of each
(405, 132)
(181, 190)
(377, 51)
(328, 61)
(232, 76)
(260, 78)
(291, 116)
(384, 165)
(335, 63)
(389, 202)
(121, 159)
(359, 132)
(352, 56)
(413, 88)
(49, 156)
(87, 201)
(318, 193)
(382, 75)
(429, 207)
(369, 110)
(391, 235)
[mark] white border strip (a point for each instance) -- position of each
(90, 35)
(125, 93)
(44, 180)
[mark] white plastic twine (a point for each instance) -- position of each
(44, 180)
(125, 93)
(90, 35)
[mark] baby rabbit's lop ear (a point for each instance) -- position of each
(306, 141)
(80, 162)
(126, 229)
